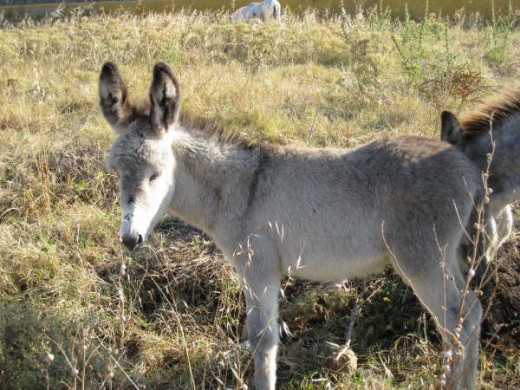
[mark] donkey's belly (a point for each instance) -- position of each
(341, 252)
(335, 268)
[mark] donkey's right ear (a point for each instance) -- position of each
(451, 131)
(113, 98)
(164, 99)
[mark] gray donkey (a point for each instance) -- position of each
(490, 137)
(319, 214)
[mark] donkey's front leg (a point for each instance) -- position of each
(259, 271)
(263, 331)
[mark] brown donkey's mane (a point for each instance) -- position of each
(491, 113)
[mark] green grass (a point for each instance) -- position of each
(339, 81)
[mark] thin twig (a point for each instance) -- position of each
(354, 315)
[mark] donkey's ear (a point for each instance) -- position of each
(113, 97)
(451, 131)
(164, 99)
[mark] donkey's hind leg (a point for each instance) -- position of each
(439, 286)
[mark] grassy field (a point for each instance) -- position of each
(76, 311)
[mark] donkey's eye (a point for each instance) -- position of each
(153, 177)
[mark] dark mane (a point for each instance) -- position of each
(491, 113)
(203, 126)
(212, 130)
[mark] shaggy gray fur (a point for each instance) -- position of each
(318, 214)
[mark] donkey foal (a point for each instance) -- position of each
(319, 214)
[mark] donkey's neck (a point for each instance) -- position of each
(213, 179)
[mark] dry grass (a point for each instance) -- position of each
(172, 316)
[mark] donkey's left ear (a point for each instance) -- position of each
(164, 99)
(451, 131)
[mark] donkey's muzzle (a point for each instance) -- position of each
(132, 242)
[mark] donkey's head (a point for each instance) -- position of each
(492, 141)
(142, 154)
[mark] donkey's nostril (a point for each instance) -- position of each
(132, 242)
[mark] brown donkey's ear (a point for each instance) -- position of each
(164, 99)
(113, 98)
(451, 131)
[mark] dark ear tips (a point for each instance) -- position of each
(165, 80)
(109, 71)
(447, 115)
(160, 68)
(108, 67)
